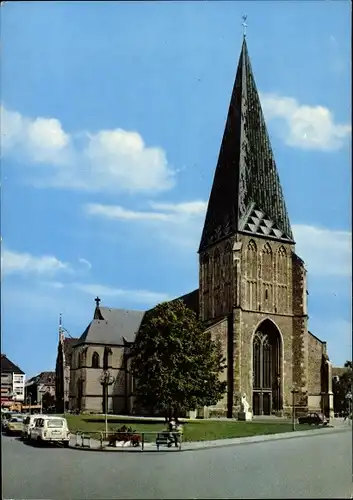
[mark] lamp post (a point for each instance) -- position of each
(106, 380)
(349, 400)
(66, 392)
(294, 392)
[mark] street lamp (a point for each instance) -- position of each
(66, 392)
(106, 379)
(294, 392)
(349, 399)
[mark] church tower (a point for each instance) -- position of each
(251, 283)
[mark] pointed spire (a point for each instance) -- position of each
(61, 330)
(246, 194)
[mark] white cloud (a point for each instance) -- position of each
(120, 213)
(106, 160)
(86, 263)
(177, 223)
(42, 140)
(304, 126)
(168, 212)
(326, 252)
(136, 296)
(25, 263)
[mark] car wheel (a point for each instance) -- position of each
(66, 444)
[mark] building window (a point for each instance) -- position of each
(252, 260)
(107, 360)
(267, 263)
(95, 360)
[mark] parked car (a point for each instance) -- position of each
(50, 429)
(313, 418)
(15, 426)
(28, 424)
(6, 417)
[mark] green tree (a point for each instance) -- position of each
(342, 387)
(175, 363)
(48, 400)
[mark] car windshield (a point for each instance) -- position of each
(16, 419)
(55, 423)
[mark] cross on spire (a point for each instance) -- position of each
(244, 25)
(97, 299)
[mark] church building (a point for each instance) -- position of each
(252, 291)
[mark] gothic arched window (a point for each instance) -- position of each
(107, 358)
(252, 260)
(267, 263)
(206, 270)
(217, 267)
(95, 360)
(282, 265)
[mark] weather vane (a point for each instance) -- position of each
(244, 25)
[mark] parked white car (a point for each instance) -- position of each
(29, 424)
(50, 429)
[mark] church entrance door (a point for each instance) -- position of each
(266, 369)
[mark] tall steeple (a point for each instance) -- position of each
(246, 195)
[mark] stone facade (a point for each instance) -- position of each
(63, 371)
(87, 368)
(246, 281)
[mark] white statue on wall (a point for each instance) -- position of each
(244, 404)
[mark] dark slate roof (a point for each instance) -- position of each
(45, 378)
(8, 366)
(114, 326)
(191, 300)
(246, 194)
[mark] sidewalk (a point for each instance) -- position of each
(202, 445)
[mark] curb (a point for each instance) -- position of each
(222, 443)
(270, 437)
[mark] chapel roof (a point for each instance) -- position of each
(113, 326)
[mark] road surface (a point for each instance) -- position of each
(307, 467)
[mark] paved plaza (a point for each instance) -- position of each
(316, 466)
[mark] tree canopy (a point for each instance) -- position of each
(175, 363)
(342, 388)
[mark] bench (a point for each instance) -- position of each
(166, 439)
(163, 438)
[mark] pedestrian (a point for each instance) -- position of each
(178, 431)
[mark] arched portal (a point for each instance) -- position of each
(267, 369)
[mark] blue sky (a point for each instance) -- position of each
(112, 118)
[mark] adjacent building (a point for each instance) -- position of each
(12, 382)
(40, 388)
(63, 371)
(252, 292)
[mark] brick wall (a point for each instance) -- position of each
(92, 388)
(249, 323)
(219, 332)
(315, 348)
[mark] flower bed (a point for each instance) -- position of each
(124, 436)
